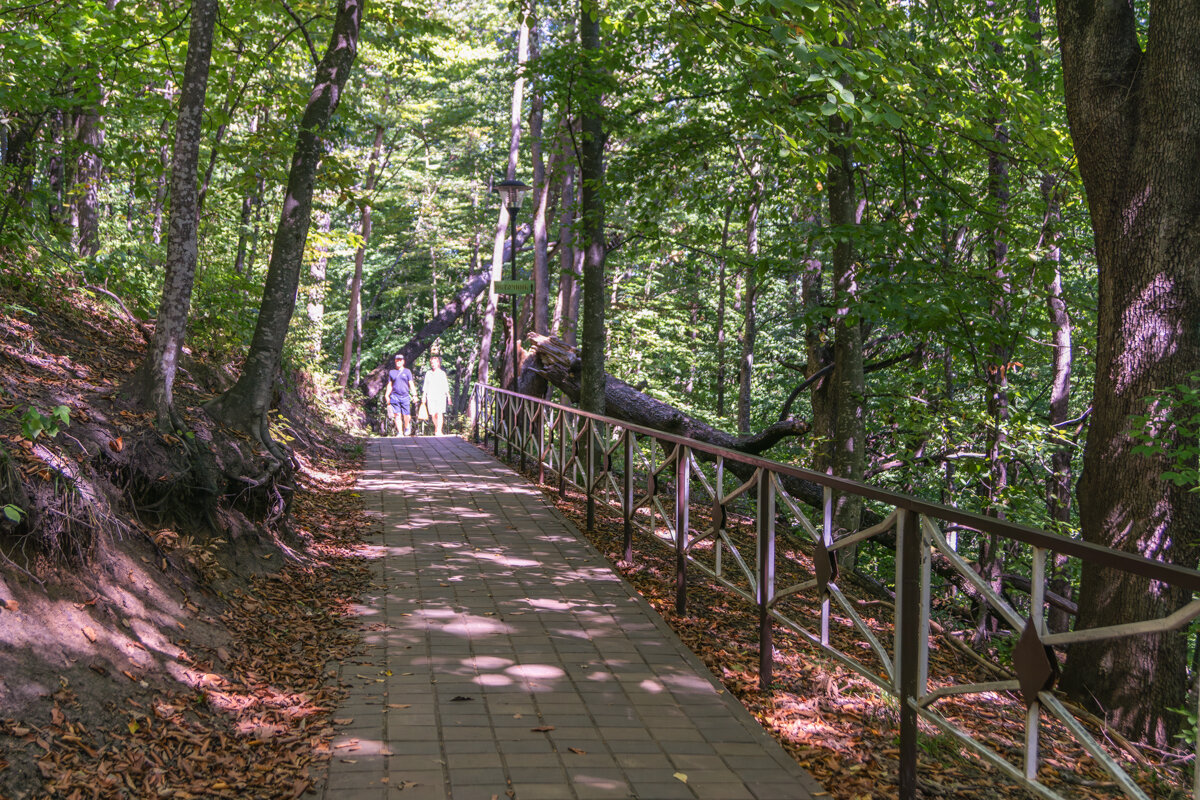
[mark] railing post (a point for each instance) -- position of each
(476, 394)
(627, 496)
(589, 473)
(1037, 602)
(908, 645)
(766, 577)
(683, 458)
(541, 443)
(524, 436)
(496, 424)
(512, 428)
(827, 540)
(562, 453)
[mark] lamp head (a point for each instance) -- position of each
(512, 193)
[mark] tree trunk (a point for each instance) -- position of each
(354, 310)
(246, 404)
(1135, 120)
(314, 292)
(722, 278)
(89, 133)
(541, 202)
(569, 269)
(591, 175)
(153, 385)
(991, 556)
(55, 171)
(514, 144)
(1058, 483)
(753, 169)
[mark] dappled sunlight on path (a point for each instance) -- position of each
(505, 659)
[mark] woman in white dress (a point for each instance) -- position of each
(437, 393)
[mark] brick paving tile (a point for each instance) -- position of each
(482, 590)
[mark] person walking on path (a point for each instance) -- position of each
(436, 394)
(400, 392)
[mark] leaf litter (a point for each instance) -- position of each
(256, 721)
(835, 723)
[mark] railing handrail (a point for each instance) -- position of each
(1105, 556)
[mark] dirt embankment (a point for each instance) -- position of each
(156, 600)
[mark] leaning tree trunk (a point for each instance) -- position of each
(446, 316)
(153, 385)
(246, 404)
(1135, 120)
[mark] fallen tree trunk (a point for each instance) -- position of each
(374, 382)
(559, 363)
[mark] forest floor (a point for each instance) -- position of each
(156, 641)
(837, 724)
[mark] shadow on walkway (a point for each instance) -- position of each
(506, 660)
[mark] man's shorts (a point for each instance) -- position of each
(400, 404)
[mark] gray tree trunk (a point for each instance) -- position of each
(354, 311)
(245, 405)
(155, 380)
(591, 175)
(514, 145)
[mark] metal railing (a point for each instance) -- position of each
(627, 468)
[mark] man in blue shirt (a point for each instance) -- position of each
(400, 393)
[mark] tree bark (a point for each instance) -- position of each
(1135, 119)
(754, 170)
(354, 310)
(591, 175)
(1058, 483)
(847, 381)
(89, 132)
(246, 404)
(541, 202)
(514, 144)
(722, 291)
(1000, 352)
(153, 385)
(566, 309)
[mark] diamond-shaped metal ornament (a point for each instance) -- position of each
(1037, 668)
(827, 567)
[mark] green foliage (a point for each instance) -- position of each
(1171, 428)
(34, 423)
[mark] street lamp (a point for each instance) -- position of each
(512, 194)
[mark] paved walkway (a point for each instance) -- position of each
(507, 660)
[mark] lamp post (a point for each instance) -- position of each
(512, 194)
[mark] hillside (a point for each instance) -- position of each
(158, 605)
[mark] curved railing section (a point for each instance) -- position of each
(654, 480)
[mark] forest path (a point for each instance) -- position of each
(505, 659)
